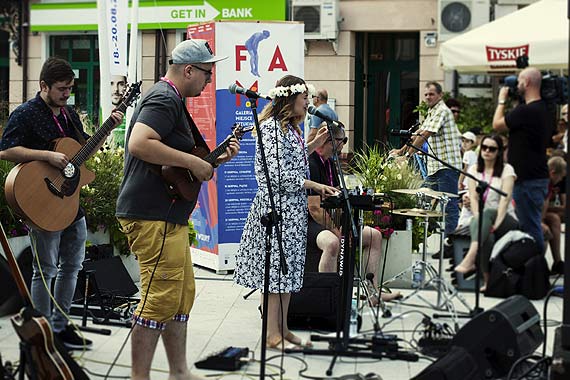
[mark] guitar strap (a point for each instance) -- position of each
(198, 139)
(80, 137)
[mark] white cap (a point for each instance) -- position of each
(469, 136)
(194, 51)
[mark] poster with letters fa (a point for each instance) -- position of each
(259, 54)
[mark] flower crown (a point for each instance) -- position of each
(293, 89)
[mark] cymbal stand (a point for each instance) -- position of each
(429, 277)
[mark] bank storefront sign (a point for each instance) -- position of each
(155, 14)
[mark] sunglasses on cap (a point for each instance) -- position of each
(491, 149)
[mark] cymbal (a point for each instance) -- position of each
(417, 212)
(427, 191)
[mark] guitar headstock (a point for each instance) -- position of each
(238, 130)
(131, 94)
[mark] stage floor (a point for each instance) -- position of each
(221, 318)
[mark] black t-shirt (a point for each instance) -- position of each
(143, 193)
(528, 135)
(322, 171)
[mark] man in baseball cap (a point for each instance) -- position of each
(158, 136)
(194, 51)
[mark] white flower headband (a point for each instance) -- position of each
(293, 89)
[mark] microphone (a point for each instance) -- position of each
(403, 133)
(313, 111)
(235, 89)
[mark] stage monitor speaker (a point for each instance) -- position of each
(111, 278)
(458, 363)
(10, 300)
(499, 336)
(314, 307)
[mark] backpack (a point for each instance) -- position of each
(519, 268)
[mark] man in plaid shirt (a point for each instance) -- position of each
(444, 143)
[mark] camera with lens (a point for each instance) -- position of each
(553, 88)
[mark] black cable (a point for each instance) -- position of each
(104, 376)
(147, 291)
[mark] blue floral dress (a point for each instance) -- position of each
(287, 161)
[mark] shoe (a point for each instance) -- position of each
(72, 341)
(557, 268)
(447, 252)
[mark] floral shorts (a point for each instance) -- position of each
(172, 287)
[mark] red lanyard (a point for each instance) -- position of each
(328, 168)
(61, 130)
(165, 79)
(301, 142)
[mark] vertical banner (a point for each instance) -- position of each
(117, 14)
(259, 55)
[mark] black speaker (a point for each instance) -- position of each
(111, 278)
(315, 306)
(10, 299)
(457, 364)
(498, 337)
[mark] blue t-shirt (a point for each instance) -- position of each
(326, 110)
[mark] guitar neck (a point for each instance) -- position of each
(14, 268)
(94, 141)
(220, 149)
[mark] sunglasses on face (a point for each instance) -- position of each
(491, 149)
(339, 140)
(456, 111)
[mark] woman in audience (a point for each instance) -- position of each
(498, 213)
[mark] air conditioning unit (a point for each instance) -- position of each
(320, 18)
(460, 16)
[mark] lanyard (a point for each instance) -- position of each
(301, 142)
(328, 168)
(58, 123)
(165, 79)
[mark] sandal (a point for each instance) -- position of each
(298, 341)
(282, 345)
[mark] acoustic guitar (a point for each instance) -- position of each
(48, 197)
(180, 181)
(46, 359)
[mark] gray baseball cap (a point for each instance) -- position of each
(194, 51)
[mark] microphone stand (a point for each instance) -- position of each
(482, 186)
(269, 221)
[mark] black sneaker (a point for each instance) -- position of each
(557, 268)
(71, 340)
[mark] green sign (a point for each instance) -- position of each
(156, 14)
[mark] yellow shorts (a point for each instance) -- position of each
(172, 289)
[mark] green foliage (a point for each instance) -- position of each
(10, 221)
(476, 113)
(375, 170)
(422, 109)
(100, 196)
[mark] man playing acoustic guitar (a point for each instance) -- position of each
(162, 133)
(29, 136)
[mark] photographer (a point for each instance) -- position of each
(529, 132)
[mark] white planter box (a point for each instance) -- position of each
(399, 258)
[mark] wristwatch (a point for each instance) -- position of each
(407, 154)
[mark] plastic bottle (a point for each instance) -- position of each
(417, 276)
(353, 330)
(409, 224)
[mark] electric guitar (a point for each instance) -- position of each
(180, 181)
(47, 360)
(48, 197)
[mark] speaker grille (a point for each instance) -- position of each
(311, 16)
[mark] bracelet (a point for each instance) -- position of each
(502, 102)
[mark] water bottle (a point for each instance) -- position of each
(557, 202)
(417, 276)
(353, 330)
(409, 224)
